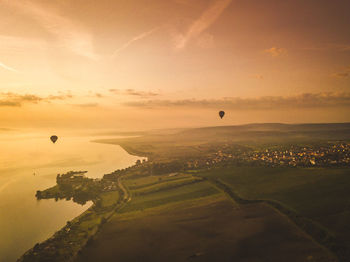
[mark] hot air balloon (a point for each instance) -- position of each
(221, 114)
(53, 139)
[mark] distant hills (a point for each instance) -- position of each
(271, 132)
(181, 142)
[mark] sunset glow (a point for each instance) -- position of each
(149, 64)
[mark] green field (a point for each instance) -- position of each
(322, 195)
(192, 191)
(211, 228)
(165, 186)
(197, 221)
(109, 198)
(141, 182)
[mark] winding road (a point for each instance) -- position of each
(126, 195)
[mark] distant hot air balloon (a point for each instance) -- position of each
(53, 139)
(221, 114)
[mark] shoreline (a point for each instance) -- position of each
(71, 230)
(66, 243)
(128, 148)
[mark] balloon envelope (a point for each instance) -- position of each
(53, 139)
(221, 114)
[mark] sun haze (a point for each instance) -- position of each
(151, 64)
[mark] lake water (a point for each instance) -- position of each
(31, 162)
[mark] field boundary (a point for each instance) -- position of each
(317, 232)
(175, 185)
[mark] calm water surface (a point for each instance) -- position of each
(30, 162)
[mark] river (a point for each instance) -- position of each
(30, 162)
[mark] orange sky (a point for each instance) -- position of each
(140, 64)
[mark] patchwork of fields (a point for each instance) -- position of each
(180, 217)
(320, 194)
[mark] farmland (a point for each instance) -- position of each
(198, 221)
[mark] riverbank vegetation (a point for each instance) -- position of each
(66, 243)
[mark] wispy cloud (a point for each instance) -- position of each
(134, 39)
(258, 76)
(276, 51)
(343, 74)
(208, 17)
(16, 100)
(9, 103)
(16, 44)
(8, 68)
(86, 105)
(59, 97)
(306, 100)
(10, 99)
(184, 2)
(329, 47)
(133, 92)
(65, 33)
(339, 47)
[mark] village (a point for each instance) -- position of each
(330, 155)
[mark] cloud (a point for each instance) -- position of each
(63, 31)
(208, 17)
(59, 97)
(205, 41)
(276, 51)
(8, 68)
(329, 47)
(86, 105)
(306, 100)
(341, 75)
(183, 2)
(134, 39)
(9, 103)
(23, 98)
(133, 92)
(16, 100)
(258, 76)
(341, 47)
(345, 48)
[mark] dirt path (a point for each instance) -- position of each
(126, 195)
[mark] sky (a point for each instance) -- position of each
(146, 64)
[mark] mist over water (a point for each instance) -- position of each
(30, 162)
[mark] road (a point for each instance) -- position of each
(126, 195)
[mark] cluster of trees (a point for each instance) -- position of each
(72, 185)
